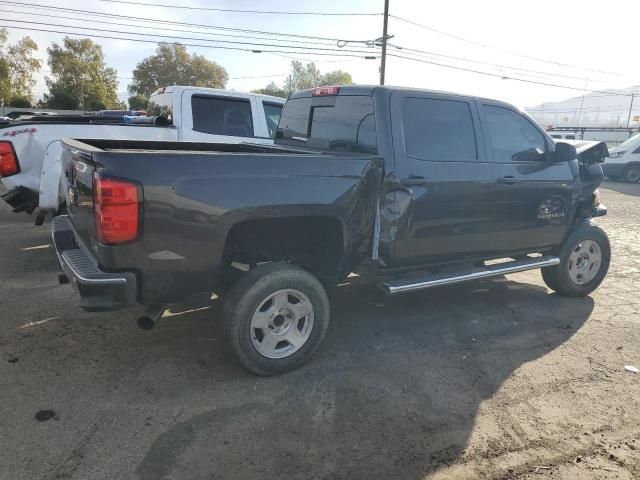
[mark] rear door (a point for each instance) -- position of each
(533, 193)
(447, 180)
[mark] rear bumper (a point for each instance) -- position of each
(99, 290)
(21, 199)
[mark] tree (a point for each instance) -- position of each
(305, 76)
(138, 102)
(337, 77)
(19, 102)
(80, 77)
(171, 64)
(273, 90)
(17, 68)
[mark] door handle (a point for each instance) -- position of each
(415, 181)
(508, 180)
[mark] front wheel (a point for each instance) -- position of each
(584, 262)
(631, 174)
(275, 316)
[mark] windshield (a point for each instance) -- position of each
(332, 123)
(632, 142)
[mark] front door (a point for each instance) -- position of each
(448, 185)
(534, 194)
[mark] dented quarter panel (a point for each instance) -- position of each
(188, 212)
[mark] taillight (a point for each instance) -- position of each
(325, 91)
(116, 208)
(8, 160)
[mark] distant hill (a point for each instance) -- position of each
(607, 108)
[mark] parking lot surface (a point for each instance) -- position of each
(496, 379)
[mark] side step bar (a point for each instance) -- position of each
(394, 287)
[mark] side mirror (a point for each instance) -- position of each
(564, 152)
(529, 155)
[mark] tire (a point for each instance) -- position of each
(579, 272)
(275, 301)
(631, 174)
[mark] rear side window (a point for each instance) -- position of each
(222, 116)
(161, 105)
(439, 130)
(344, 123)
(272, 112)
(513, 137)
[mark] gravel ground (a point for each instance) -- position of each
(497, 379)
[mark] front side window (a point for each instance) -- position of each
(631, 143)
(272, 112)
(439, 130)
(513, 137)
(222, 116)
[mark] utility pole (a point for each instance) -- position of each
(384, 41)
(630, 108)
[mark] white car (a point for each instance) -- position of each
(30, 150)
(623, 162)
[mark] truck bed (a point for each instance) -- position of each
(192, 195)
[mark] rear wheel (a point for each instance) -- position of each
(584, 262)
(632, 174)
(276, 316)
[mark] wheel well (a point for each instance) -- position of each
(314, 243)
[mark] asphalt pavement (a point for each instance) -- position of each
(493, 379)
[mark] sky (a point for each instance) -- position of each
(565, 43)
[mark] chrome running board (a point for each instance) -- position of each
(394, 287)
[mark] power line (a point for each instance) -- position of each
(496, 75)
(165, 22)
(602, 109)
(233, 10)
(105, 22)
(174, 37)
(260, 76)
(485, 45)
(479, 62)
(366, 57)
(399, 47)
(140, 40)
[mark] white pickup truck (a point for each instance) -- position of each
(30, 150)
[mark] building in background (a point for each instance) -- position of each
(611, 116)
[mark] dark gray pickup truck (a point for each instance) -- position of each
(420, 188)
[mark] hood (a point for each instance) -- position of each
(589, 151)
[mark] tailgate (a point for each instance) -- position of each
(77, 182)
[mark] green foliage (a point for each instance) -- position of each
(305, 76)
(337, 77)
(172, 65)
(80, 78)
(20, 102)
(17, 68)
(138, 102)
(60, 98)
(273, 90)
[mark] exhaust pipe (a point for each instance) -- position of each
(150, 317)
